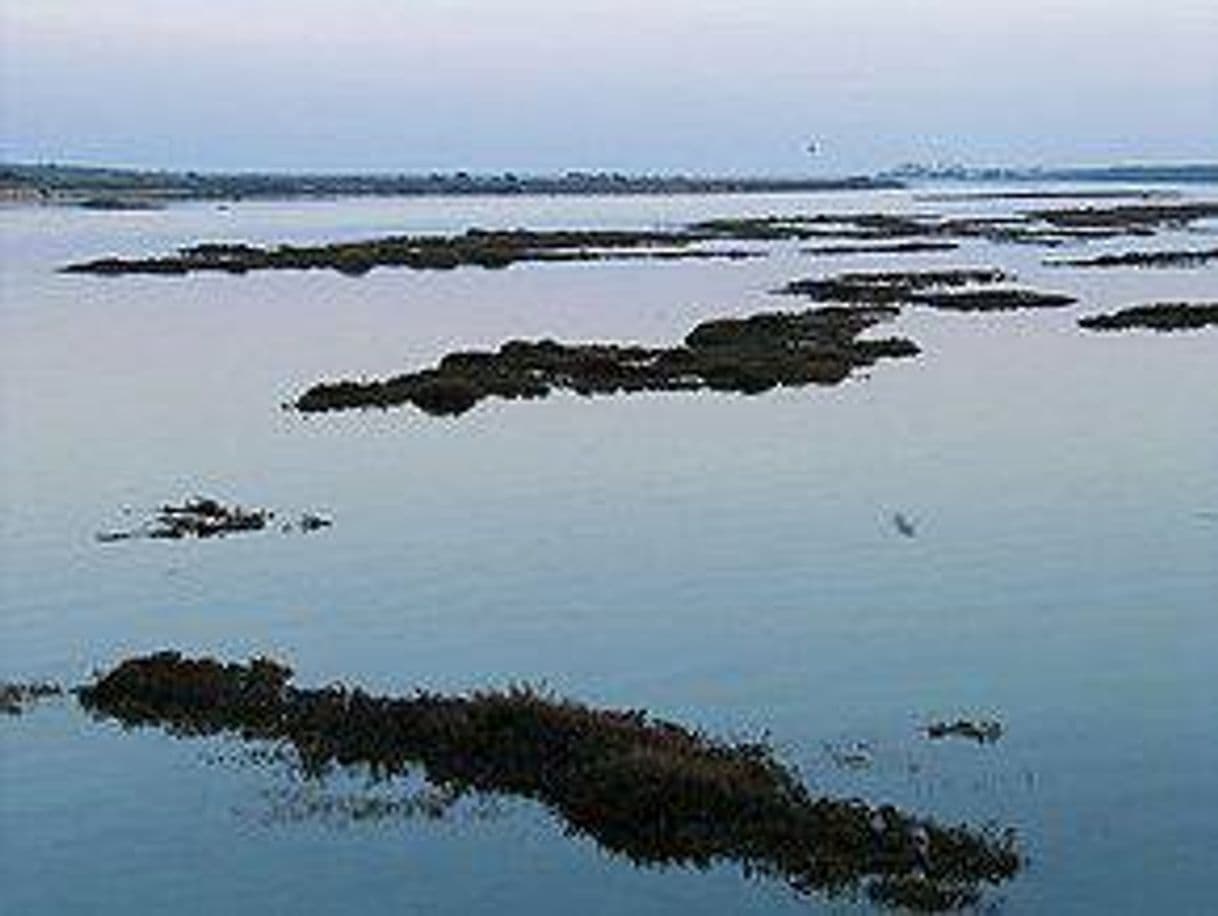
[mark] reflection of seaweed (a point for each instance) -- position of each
(349, 796)
(850, 755)
(312, 800)
(649, 790)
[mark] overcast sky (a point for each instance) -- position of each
(540, 85)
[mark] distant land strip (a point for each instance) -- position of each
(110, 188)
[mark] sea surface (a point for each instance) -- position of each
(728, 562)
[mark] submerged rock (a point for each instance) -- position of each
(1160, 316)
(746, 355)
(652, 791)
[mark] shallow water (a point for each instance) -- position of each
(725, 561)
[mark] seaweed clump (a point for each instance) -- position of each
(199, 517)
(992, 300)
(958, 289)
(1128, 219)
(747, 355)
(652, 791)
(476, 247)
(1184, 258)
(1160, 316)
(16, 697)
(911, 247)
(892, 286)
(205, 517)
(983, 731)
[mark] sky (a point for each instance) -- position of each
(703, 86)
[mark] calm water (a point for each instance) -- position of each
(725, 561)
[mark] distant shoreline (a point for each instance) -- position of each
(121, 189)
(102, 188)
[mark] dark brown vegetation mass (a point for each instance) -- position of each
(1184, 258)
(652, 791)
(501, 248)
(881, 248)
(476, 247)
(889, 286)
(993, 300)
(983, 731)
(1038, 227)
(205, 517)
(1129, 219)
(952, 289)
(747, 355)
(1160, 316)
(198, 517)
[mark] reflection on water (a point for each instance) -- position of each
(724, 561)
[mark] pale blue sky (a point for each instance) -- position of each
(539, 85)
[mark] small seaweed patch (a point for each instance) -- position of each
(16, 697)
(858, 226)
(992, 300)
(983, 731)
(881, 248)
(745, 355)
(652, 791)
(204, 517)
(1127, 219)
(1160, 316)
(893, 286)
(1184, 258)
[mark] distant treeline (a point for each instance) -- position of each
(1197, 172)
(79, 182)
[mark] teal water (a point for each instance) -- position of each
(728, 562)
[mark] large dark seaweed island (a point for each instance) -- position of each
(652, 791)
(748, 355)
